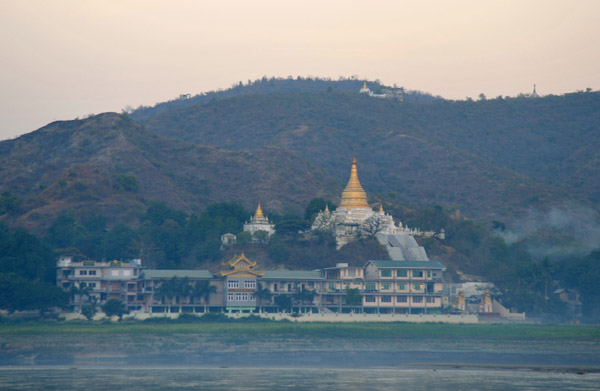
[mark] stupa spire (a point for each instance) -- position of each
(259, 212)
(354, 195)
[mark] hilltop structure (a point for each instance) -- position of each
(386, 93)
(354, 218)
(259, 222)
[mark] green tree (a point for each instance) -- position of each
(284, 303)
(89, 311)
(115, 307)
(168, 290)
(203, 290)
(244, 237)
(353, 297)
(262, 294)
(303, 296)
(19, 294)
(315, 206)
(128, 182)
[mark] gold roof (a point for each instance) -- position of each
(240, 266)
(259, 212)
(353, 195)
(365, 85)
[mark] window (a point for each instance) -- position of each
(417, 287)
(401, 273)
(417, 273)
(238, 297)
(92, 284)
(385, 286)
(127, 272)
(233, 284)
(230, 296)
(92, 272)
(417, 299)
(332, 286)
(250, 284)
(428, 273)
(386, 273)
(401, 299)
(370, 287)
(401, 286)
(430, 299)
(83, 272)
(351, 272)
(114, 272)
(370, 299)
(386, 299)
(311, 284)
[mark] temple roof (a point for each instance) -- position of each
(240, 266)
(354, 195)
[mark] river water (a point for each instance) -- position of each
(244, 379)
(165, 362)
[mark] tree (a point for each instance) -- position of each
(168, 289)
(203, 289)
(304, 296)
(315, 206)
(244, 237)
(284, 303)
(260, 236)
(262, 294)
(18, 294)
(115, 307)
(353, 297)
(89, 311)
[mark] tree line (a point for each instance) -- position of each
(167, 238)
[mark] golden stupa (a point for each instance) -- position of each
(353, 195)
(259, 212)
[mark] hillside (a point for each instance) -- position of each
(110, 165)
(493, 159)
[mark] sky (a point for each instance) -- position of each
(64, 59)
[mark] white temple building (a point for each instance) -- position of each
(259, 222)
(354, 218)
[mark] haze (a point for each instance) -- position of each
(64, 59)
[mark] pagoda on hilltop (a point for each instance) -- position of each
(354, 218)
(259, 222)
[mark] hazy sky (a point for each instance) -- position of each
(62, 59)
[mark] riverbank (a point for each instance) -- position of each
(290, 344)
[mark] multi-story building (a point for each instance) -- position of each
(382, 286)
(96, 282)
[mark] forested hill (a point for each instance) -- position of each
(275, 85)
(491, 158)
(109, 165)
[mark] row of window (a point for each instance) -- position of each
(240, 296)
(399, 299)
(248, 284)
(113, 272)
(403, 273)
(387, 286)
